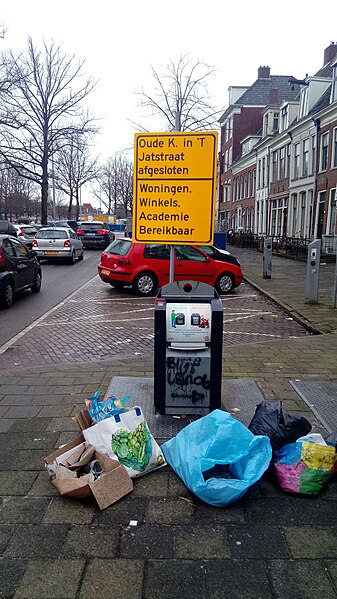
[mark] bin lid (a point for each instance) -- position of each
(188, 289)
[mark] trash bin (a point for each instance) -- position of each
(187, 349)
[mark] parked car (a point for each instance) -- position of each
(95, 234)
(147, 266)
(63, 223)
(219, 254)
(7, 228)
(19, 269)
(26, 233)
(58, 242)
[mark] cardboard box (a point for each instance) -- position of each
(82, 419)
(112, 485)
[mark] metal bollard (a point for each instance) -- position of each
(267, 257)
(313, 265)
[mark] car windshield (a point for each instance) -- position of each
(119, 247)
(51, 234)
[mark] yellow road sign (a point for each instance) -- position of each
(174, 187)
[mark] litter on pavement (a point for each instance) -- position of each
(216, 456)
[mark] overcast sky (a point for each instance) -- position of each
(122, 39)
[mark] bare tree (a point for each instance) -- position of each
(114, 180)
(181, 96)
(74, 167)
(126, 185)
(17, 195)
(43, 105)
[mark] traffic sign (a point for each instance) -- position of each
(174, 187)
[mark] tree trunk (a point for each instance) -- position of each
(70, 206)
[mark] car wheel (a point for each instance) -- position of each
(117, 284)
(225, 283)
(81, 256)
(37, 284)
(144, 284)
(7, 298)
(72, 260)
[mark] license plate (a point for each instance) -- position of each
(105, 272)
(51, 253)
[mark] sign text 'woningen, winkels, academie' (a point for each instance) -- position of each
(174, 187)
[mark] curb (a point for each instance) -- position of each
(295, 315)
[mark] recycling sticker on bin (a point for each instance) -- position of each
(188, 322)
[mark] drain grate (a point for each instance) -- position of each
(321, 397)
(239, 395)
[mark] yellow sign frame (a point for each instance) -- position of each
(174, 189)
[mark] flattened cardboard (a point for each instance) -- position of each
(111, 486)
(82, 419)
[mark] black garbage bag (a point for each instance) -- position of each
(282, 428)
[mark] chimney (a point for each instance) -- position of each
(330, 52)
(263, 73)
(273, 96)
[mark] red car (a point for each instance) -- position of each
(147, 266)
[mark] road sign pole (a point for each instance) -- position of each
(171, 263)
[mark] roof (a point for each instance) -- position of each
(259, 93)
(323, 101)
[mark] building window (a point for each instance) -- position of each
(263, 171)
(334, 85)
(311, 219)
(305, 157)
(282, 163)
(277, 217)
(334, 149)
(288, 161)
(313, 154)
(266, 124)
(296, 161)
(275, 122)
(303, 102)
(332, 229)
(294, 214)
(324, 151)
(284, 118)
(275, 165)
(301, 224)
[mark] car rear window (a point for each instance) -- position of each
(120, 247)
(29, 230)
(91, 226)
(51, 234)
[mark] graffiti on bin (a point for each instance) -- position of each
(187, 378)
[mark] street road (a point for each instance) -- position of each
(59, 280)
(99, 322)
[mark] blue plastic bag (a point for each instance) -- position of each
(99, 410)
(218, 439)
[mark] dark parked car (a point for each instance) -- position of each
(95, 234)
(19, 269)
(63, 223)
(7, 228)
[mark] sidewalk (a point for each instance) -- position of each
(268, 545)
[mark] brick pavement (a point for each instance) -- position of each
(99, 323)
(267, 545)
